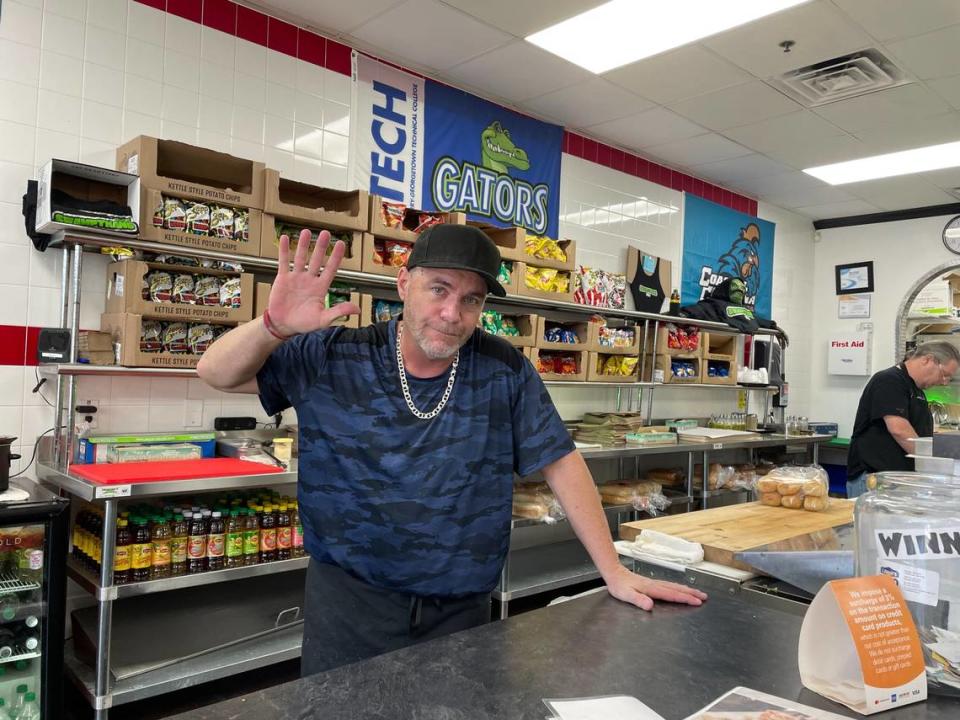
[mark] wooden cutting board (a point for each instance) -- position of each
(725, 531)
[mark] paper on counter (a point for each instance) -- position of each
(745, 704)
(607, 707)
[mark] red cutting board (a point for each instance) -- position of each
(167, 470)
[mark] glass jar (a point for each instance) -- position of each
(909, 529)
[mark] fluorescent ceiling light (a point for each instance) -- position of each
(624, 31)
(905, 162)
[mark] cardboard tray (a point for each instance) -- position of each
(720, 344)
(527, 324)
(376, 227)
(662, 363)
(594, 375)
(520, 269)
(84, 182)
(593, 341)
(263, 297)
(662, 349)
(509, 240)
(270, 245)
(731, 363)
(125, 328)
(582, 329)
(124, 280)
(315, 206)
(188, 171)
(581, 357)
(568, 246)
(150, 199)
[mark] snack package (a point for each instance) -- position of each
(536, 501)
(151, 336)
(183, 289)
(599, 288)
(161, 286)
(230, 293)
(118, 253)
(547, 279)
(391, 214)
(644, 495)
(560, 334)
(543, 247)
(718, 476)
(385, 310)
(391, 253)
(158, 215)
(799, 487)
(174, 215)
(176, 260)
(241, 225)
(683, 369)
(619, 365)
(221, 221)
(198, 218)
(683, 337)
(425, 220)
(207, 288)
(175, 338)
(199, 337)
(616, 338)
(506, 270)
(718, 369)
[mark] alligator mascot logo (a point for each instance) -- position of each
(497, 151)
(741, 261)
(487, 189)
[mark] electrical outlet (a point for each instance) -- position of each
(193, 414)
(93, 416)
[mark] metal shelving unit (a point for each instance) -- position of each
(53, 470)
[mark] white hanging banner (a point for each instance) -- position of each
(387, 131)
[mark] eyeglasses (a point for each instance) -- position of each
(944, 377)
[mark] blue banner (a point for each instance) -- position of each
(494, 164)
(719, 243)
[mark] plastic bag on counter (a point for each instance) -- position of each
(669, 477)
(799, 487)
(536, 501)
(718, 476)
(744, 476)
(644, 495)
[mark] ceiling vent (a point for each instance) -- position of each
(841, 78)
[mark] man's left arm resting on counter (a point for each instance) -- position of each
(572, 483)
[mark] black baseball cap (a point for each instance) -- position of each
(458, 247)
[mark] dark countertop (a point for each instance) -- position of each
(675, 659)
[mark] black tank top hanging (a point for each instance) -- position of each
(645, 286)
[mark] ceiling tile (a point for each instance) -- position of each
(738, 105)
(899, 192)
(517, 72)
(839, 209)
(819, 30)
(946, 179)
(523, 18)
(933, 55)
(804, 198)
(588, 103)
(905, 136)
(821, 151)
(796, 128)
(739, 169)
(651, 127)
(340, 17)
(893, 19)
(793, 181)
(454, 37)
(904, 104)
(947, 88)
(678, 74)
(697, 150)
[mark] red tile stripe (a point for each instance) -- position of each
(616, 159)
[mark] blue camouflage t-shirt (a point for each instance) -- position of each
(416, 506)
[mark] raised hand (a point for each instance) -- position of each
(298, 299)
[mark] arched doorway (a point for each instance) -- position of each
(901, 330)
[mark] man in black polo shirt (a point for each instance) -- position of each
(893, 410)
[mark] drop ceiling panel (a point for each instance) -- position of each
(523, 18)
(905, 136)
(819, 30)
(336, 15)
(734, 106)
(823, 151)
(839, 209)
(651, 127)
(783, 183)
(929, 56)
(740, 169)
(697, 150)
(588, 103)
(899, 192)
(945, 179)
(796, 128)
(453, 36)
(900, 105)
(517, 72)
(947, 88)
(893, 19)
(679, 74)
(807, 198)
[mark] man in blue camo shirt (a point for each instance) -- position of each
(411, 432)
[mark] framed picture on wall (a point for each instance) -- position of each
(855, 278)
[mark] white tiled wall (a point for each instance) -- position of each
(78, 77)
